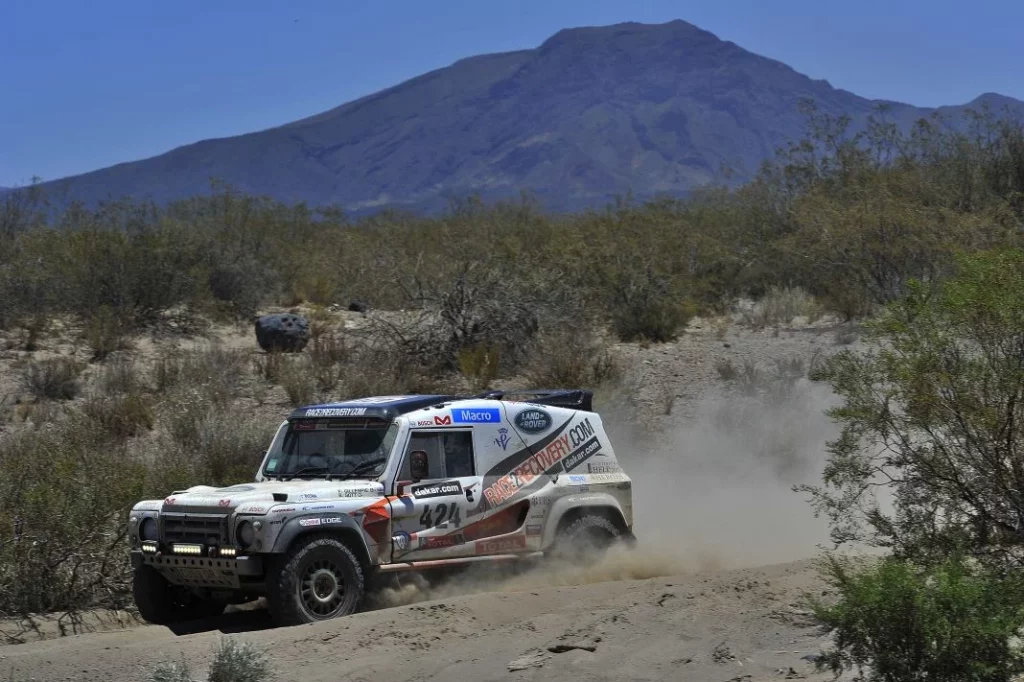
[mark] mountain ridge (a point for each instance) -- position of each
(590, 113)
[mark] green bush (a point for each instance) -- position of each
(232, 662)
(954, 622)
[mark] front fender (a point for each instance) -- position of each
(568, 503)
(326, 522)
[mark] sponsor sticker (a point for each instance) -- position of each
(318, 507)
(533, 420)
(359, 492)
(444, 420)
(577, 479)
(437, 489)
(224, 503)
(308, 496)
(503, 438)
(500, 546)
(320, 522)
(170, 500)
(524, 474)
(237, 489)
(336, 412)
(478, 415)
(441, 541)
(585, 452)
(401, 540)
(534, 529)
(599, 468)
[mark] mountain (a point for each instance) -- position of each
(591, 113)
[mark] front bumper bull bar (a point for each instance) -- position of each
(198, 571)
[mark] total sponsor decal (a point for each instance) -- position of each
(479, 415)
(437, 489)
(441, 541)
(336, 412)
(500, 546)
(320, 522)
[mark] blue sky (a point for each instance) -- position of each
(89, 83)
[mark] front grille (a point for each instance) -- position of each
(203, 529)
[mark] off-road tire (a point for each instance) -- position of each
(298, 582)
(161, 603)
(585, 539)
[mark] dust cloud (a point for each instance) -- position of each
(716, 491)
(712, 492)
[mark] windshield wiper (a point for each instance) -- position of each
(304, 470)
(362, 466)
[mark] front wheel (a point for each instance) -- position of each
(161, 603)
(318, 579)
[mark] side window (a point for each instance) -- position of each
(458, 453)
(449, 454)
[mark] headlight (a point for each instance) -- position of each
(148, 530)
(245, 534)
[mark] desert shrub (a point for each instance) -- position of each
(240, 287)
(52, 378)
(63, 503)
(106, 332)
(168, 671)
(269, 366)
(480, 364)
(299, 382)
(781, 305)
(232, 662)
(214, 374)
(120, 374)
(122, 416)
(898, 622)
(570, 359)
(930, 420)
(726, 369)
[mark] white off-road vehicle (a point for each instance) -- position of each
(349, 492)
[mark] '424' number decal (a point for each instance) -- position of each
(435, 516)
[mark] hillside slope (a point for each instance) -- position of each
(591, 113)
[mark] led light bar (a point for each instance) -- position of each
(149, 547)
(227, 551)
(195, 550)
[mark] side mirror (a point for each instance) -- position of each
(419, 467)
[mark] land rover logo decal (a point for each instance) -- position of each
(532, 420)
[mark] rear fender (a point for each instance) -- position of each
(602, 503)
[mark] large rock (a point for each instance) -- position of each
(282, 332)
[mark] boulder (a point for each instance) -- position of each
(358, 307)
(283, 332)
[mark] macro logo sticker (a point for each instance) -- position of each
(532, 420)
(481, 415)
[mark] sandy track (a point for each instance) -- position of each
(733, 625)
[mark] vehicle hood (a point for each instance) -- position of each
(258, 498)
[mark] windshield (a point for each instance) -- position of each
(331, 451)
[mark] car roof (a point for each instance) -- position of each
(390, 406)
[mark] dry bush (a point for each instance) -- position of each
(213, 371)
(120, 374)
(63, 499)
(727, 370)
(122, 416)
(106, 332)
(52, 378)
(781, 305)
(570, 359)
(480, 364)
(269, 366)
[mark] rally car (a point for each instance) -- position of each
(348, 492)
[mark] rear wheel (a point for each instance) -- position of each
(161, 603)
(318, 579)
(585, 539)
